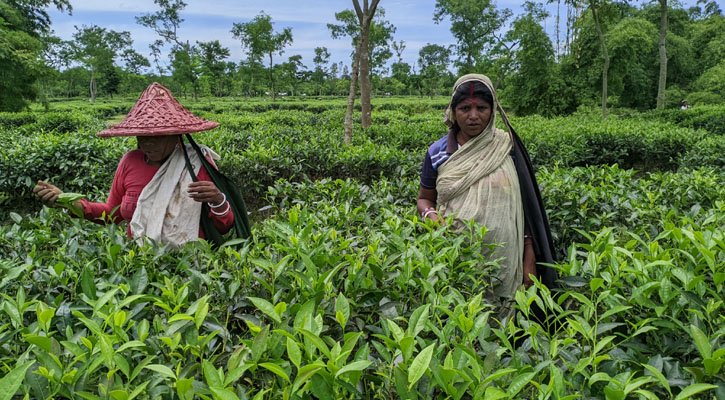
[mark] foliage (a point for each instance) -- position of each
(259, 147)
(534, 58)
(258, 37)
(433, 61)
(708, 152)
(97, 49)
(24, 25)
(343, 293)
(380, 36)
(473, 24)
(709, 118)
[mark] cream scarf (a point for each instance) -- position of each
(479, 182)
(164, 212)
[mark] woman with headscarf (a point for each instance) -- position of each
(152, 188)
(477, 172)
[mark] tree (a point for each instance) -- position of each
(361, 35)
(134, 61)
(473, 24)
(186, 67)
(155, 48)
(23, 26)
(213, 55)
(710, 8)
(259, 38)
(533, 84)
(433, 61)
(322, 57)
(166, 23)
(594, 6)
(292, 73)
(399, 48)
(97, 49)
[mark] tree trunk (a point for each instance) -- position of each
(271, 78)
(558, 4)
(93, 86)
(365, 18)
(663, 56)
(351, 95)
(365, 84)
(605, 68)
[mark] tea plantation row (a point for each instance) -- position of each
(345, 293)
(259, 148)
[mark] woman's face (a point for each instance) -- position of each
(157, 148)
(472, 116)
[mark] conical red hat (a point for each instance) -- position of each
(158, 113)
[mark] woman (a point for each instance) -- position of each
(152, 188)
(482, 173)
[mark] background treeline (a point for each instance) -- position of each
(533, 73)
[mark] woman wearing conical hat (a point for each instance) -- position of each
(477, 172)
(152, 188)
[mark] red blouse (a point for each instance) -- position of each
(132, 175)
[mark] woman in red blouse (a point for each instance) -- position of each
(157, 120)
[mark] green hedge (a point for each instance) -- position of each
(709, 152)
(710, 118)
(26, 123)
(259, 148)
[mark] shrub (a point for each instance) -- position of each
(709, 118)
(709, 152)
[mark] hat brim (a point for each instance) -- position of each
(157, 130)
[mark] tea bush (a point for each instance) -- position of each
(710, 118)
(707, 152)
(343, 292)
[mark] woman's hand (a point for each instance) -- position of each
(427, 205)
(48, 193)
(205, 191)
(437, 218)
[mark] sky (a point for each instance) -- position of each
(206, 21)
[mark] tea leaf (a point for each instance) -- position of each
(277, 370)
(211, 374)
(119, 395)
(494, 393)
(140, 281)
(418, 320)
(316, 341)
(11, 382)
(184, 388)
(266, 307)
(342, 310)
(223, 394)
(162, 369)
(420, 365)
(518, 383)
(694, 389)
(303, 375)
(138, 390)
(294, 353)
(701, 341)
(40, 341)
(660, 377)
(354, 366)
(87, 283)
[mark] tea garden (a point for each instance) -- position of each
(344, 292)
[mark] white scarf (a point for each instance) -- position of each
(164, 212)
(479, 182)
